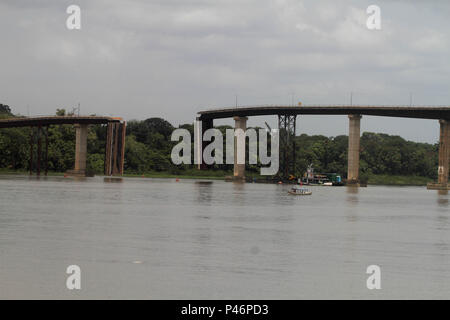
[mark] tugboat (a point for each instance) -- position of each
(300, 191)
(324, 179)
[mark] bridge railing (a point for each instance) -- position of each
(323, 106)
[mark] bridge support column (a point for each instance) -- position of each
(239, 148)
(115, 148)
(353, 148)
(31, 150)
(81, 133)
(39, 151)
(287, 127)
(46, 150)
(444, 157)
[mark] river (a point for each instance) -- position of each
(139, 238)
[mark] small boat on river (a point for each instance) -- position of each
(300, 191)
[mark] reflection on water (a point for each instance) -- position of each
(443, 198)
(239, 196)
(188, 239)
(351, 189)
(352, 197)
(352, 200)
(204, 194)
(112, 179)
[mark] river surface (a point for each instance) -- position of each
(137, 238)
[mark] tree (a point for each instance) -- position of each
(60, 112)
(5, 109)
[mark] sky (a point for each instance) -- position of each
(172, 58)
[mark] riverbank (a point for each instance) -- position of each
(208, 175)
(24, 173)
(389, 180)
(397, 180)
(194, 174)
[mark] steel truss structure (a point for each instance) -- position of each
(287, 126)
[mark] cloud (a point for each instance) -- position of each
(431, 41)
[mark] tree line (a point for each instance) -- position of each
(148, 148)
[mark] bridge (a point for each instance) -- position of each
(287, 123)
(115, 140)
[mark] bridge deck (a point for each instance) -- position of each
(422, 112)
(55, 120)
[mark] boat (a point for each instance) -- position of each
(320, 179)
(300, 191)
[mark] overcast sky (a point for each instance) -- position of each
(171, 58)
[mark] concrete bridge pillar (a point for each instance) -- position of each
(444, 152)
(81, 133)
(444, 157)
(239, 148)
(353, 148)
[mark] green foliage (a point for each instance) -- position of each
(4, 109)
(326, 154)
(60, 112)
(140, 158)
(136, 155)
(14, 153)
(95, 163)
(385, 154)
(387, 179)
(155, 132)
(61, 151)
